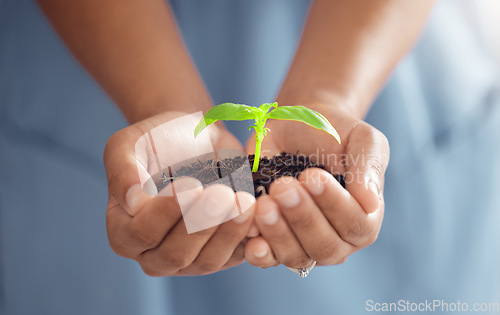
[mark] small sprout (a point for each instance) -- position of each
(230, 111)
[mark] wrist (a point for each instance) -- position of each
(348, 102)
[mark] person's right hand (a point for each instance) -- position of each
(150, 228)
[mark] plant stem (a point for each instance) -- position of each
(258, 144)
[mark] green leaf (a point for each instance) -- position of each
(226, 111)
(305, 115)
(265, 107)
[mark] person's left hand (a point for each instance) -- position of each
(314, 217)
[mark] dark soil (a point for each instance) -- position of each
(212, 171)
(284, 164)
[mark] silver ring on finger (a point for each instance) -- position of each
(303, 272)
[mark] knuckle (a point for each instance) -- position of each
(328, 251)
(109, 226)
(377, 139)
(371, 238)
(268, 264)
(341, 261)
(113, 176)
(207, 266)
(361, 235)
(107, 148)
(373, 134)
(152, 272)
(144, 236)
(110, 143)
(114, 240)
(380, 140)
(109, 219)
(175, 259)
(377, 167)
(297, 261)
(114, 187)
(278, 237)
(301, 219)
(118, 249)
(356, 232)
(230, 232)
(149, 272)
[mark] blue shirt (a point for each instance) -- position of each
(440, 111)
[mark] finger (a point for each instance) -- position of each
(368, 157)
(133, 153)
(277, 233)
(221, 246)
(258, 253)
(129, 236)
(217, 205)
(237, 258)
(176, 252)
(253, 231)
(179, 248)
(318, 238)
(124, 172)
(341, 209)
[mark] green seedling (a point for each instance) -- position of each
(230, 111)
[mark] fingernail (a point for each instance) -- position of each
(261, 254)
(214, 207)
(253, 231)
(288, 198)
(218, 201)
(270, 217)
(132, 197)
(316, 184)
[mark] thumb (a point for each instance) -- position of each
(367, 159)
(125, 173)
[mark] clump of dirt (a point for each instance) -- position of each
(284, 164)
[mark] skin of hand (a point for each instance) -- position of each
(134, 51)
(313, 217)
(150, 229)
(347, 51)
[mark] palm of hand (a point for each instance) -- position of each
(362, 158)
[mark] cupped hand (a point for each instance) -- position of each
(150, 228)
(313, 217)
